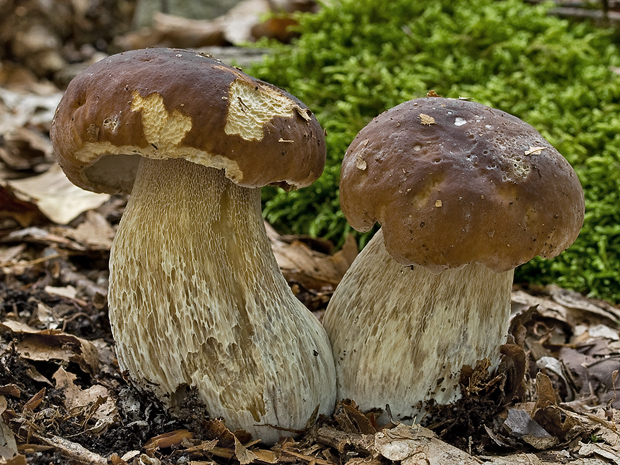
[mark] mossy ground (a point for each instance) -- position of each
(357, 58)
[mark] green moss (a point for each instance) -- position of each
(357, 58)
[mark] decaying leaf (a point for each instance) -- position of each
(547, 413)
(351, 420)
(8, 445)
(419, 445)
(18, 212)
(34, 401)
(95, 232)
(314, 270)
(49, 345)
(600, 450)
(105, 411)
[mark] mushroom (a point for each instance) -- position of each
(196, 297)
(464, 194)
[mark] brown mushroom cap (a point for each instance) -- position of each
(166, 103)
(454, 182)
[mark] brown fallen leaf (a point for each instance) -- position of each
(266, 456)
(95, 233)
(17, 460)
(243, 454)
(15, 212)
(47, 345)
(8, 445)
(547, 413)
(55, 196)
(351, 420)
(34, 401)
(10, 390)
(312, 269)
(415, 444)
(77, 398)
(216, 429)
(167, 440)
(25, 149)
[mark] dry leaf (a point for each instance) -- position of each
(55, 196)
(167, 440)
(69, 292)
(76, 398)
(415, 444)
(8, 445)
(266, 456)
(22, 213)
(243, 454)
(601, 450)
(17, 460)
(26, 109)
(94, 232)
(49, 345)
(34, 401)
(312, 269)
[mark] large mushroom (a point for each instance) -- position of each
(464, 194)
(196, 297)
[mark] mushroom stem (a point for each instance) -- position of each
(197, 300)
(401, 334)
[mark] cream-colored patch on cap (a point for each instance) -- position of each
(251, 106)
(161, 128)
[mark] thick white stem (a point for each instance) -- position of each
(400, 335)
(197, 299)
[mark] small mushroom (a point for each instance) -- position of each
(461, 203)
(196, 297)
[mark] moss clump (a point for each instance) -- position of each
(357, 58)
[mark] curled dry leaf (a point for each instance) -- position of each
(15, 212)
(166, 440)
(34, 401)
(48, 345)
(555, 420)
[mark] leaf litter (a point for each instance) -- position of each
(553, 399)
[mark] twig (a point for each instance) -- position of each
(73, 450)
(36, 261)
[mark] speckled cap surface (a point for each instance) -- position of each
(454, 182)
(168, 103)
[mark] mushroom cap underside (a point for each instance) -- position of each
(454, 182)
(168, 103)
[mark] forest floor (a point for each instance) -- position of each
(63, 398)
